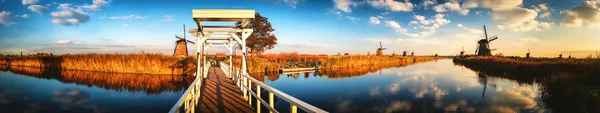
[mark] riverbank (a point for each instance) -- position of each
(122, 63)
(566, 85)
(534, 66)
(263, 64)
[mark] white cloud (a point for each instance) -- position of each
(526, 26)
(344, 5)
(6, 18)
(125, 25)
(25, 2)
(38, 9)
(351, 18)
(419, 17)
(492, 4)
(64, 42)
(452, 6)
(127, 17)
(394, 25)
(519, 20)
(22, 16)
(524, 41)
(167, 18)
(69, 16)
(338, 13)
(514, 15)
(428, 3)
(588, 12)
(541, 7)
(292, 3)
(374, 20)
(392, 5)
(470, 30)
(96, 5)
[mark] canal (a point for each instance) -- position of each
(24, 89)
(435, 86)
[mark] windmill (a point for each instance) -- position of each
(528, 55)
(380, 50)
(181, 45)
(483, 48)
(404, 52)
(412, 53)
(462, 53)
(560, 56)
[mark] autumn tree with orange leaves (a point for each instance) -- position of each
(262, 38)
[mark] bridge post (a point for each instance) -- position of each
(230, 57)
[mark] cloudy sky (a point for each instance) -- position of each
(547, 27)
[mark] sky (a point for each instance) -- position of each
(545, 27)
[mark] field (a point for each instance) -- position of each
(123, 63)
(274, 62)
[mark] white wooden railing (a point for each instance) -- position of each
(189, 99)
(244, 81)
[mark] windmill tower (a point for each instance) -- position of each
(404, 53)
(483, 47)
(560, 56)
(380, 50)
(528, 55)
(412, 53)
(462, 53)
(181, 45)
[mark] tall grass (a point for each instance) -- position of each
(124, 63)
(150, 84)
(274, 62)
(536, 66)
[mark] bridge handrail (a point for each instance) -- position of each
(290, 99)
(186, 95)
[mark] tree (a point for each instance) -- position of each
(262, 38)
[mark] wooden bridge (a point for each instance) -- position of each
(225, 88)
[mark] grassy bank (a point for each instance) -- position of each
(535, 66)
(123, 63)
(273, 63)
(566, 85)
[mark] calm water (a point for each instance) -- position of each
(436, 86)
(39, 90)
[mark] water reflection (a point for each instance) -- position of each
(150, 84)
(437, 86)
(559, 91)
(25, 89)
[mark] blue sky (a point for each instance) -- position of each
(307, 26)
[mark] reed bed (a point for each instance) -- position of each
(150, 84)
(537, 66)
(123, 63)
(274, 62)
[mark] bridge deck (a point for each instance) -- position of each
(220, 95)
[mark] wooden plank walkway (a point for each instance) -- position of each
(220, 95)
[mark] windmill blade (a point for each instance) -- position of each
(493, 38)
(492, 49)
(178, 37)
(190, 42)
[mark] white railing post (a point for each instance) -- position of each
(271, 101)
(258, 99)
(293, 108)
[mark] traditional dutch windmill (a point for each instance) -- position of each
(483, 48)
(462, 53)
(528, 55)
(380, 50)
(181, 45)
